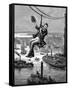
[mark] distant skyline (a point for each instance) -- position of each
(23, 19)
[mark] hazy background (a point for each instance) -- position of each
(23, 19)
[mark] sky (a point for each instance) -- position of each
(23, 19)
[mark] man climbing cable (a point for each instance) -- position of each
(38, 39)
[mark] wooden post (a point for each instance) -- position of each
(41, 69)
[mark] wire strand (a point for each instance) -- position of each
(35, 10)
(45, 15)
(49, 15)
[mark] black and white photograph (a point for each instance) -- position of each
(40, 44)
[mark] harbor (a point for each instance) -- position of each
(22, 75)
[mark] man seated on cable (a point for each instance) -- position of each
(38, 39)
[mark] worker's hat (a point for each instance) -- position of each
(46, 24)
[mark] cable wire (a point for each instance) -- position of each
(45, 15)
(48, 15)
(35, 10)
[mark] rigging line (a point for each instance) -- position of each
(48, 15)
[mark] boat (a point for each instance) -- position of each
(55, 61)
(23, 64)
(37, 59)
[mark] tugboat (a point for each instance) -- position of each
(57, 60)
(23, 64)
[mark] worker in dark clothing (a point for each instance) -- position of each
(38, 39)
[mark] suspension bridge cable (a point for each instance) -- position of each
(45, 15)
(39, 13)
(49, 15)
(35, 10)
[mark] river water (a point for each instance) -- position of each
(22, 75)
